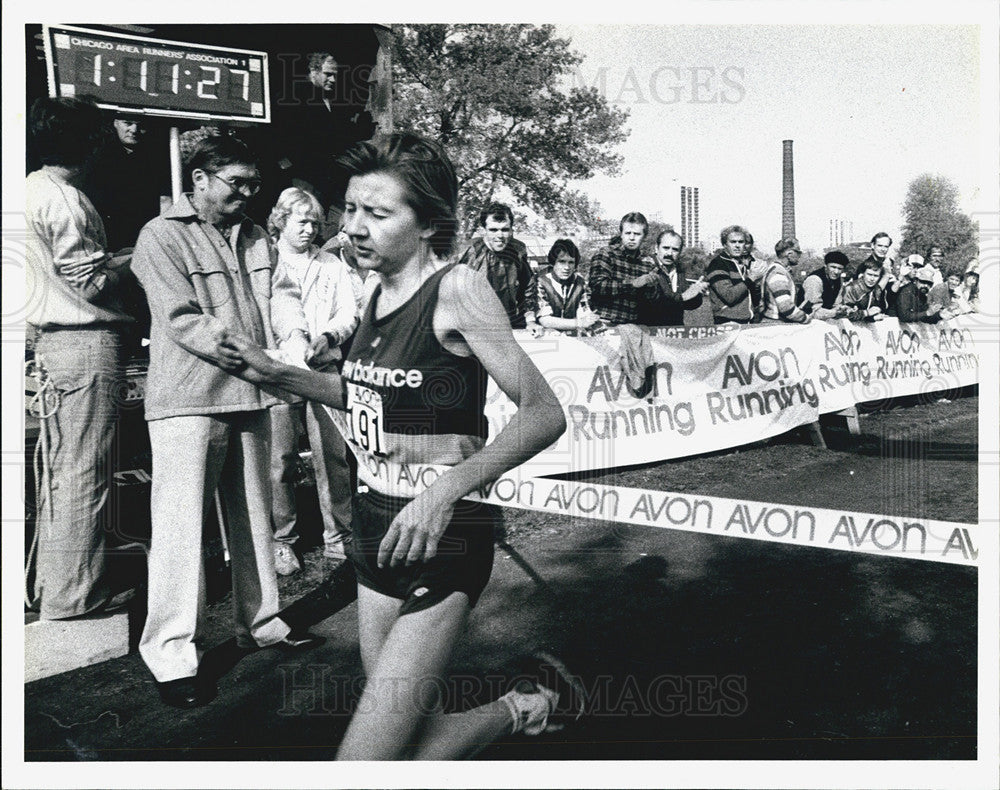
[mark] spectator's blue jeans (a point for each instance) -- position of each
(85, 368)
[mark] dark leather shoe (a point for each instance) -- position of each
(185, 692)
(298, 641)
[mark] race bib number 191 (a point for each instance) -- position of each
(364, 406)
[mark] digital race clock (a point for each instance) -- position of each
(156, 77)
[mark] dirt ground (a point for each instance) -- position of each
(695, 646)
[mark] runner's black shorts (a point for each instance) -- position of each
(463, 562)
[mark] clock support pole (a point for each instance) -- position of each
(175, 163)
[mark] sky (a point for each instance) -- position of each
(868, 108)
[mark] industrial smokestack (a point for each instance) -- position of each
(787, 192)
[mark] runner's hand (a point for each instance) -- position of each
(258, 367)
(229, 357)
(414, 534)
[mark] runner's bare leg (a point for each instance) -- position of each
(398, 715)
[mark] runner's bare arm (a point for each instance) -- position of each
(470, 320)
(326, 388)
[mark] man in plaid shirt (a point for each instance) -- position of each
(619, 275)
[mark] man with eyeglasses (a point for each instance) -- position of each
(207, 271)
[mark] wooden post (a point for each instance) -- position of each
(851, 415)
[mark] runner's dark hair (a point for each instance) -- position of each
(425, 172)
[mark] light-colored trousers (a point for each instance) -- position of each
(329, 458)
(84, 366)
(192, 456)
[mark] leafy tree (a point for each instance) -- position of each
(932, 216)
(495, 96)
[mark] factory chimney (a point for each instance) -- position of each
(787, 192)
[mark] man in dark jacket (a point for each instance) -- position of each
(316, 120)
(505, 261)
(822, 286)
(732, 293)
(911, 300)
(128, 181)
(664, 302)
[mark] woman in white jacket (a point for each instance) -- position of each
(328, 302)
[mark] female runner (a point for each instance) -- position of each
(411, 397)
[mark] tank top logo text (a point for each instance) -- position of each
(377, 376)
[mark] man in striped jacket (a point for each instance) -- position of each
(777, 294)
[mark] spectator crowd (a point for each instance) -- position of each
(116, 260)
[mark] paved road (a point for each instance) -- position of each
(696, 646)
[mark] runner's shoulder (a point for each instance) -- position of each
(467, 299)
(461, 281)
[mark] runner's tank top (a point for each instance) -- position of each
(413, 408)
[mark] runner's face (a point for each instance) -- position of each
(881, 247)
(736, 245)
(300, 228)
(668, 250)
(384, 230)
(632, 235)
(871, 277)
(497, 233)
(563, 267)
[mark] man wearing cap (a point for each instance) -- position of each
(911, 300)
(935, 259)
(822, 287)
